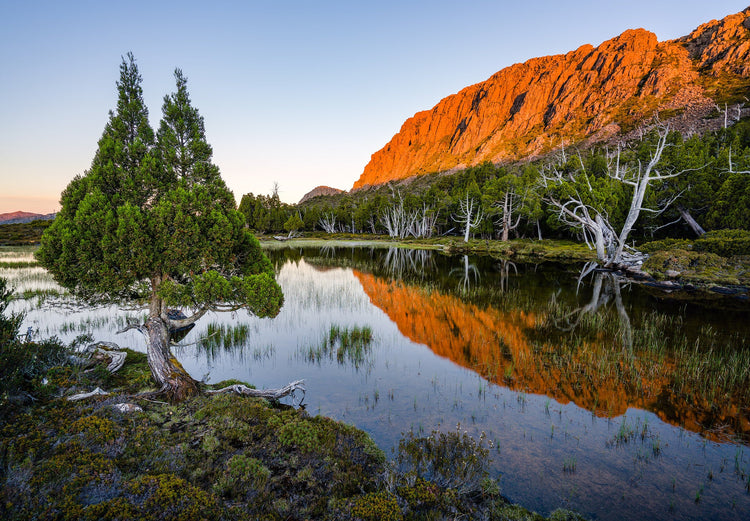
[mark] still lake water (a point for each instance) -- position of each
(580, 385)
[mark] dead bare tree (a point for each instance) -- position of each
(396, 220)
(470, 214)
(328, 223)
(731, 166)
(729, 120)
(504, 266)
(467, 275)
(401, 223)
(611, 247)
(423, 225)
(509, 207)
(606, 288)
(400, 262)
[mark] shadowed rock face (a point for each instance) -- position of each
(592, 93)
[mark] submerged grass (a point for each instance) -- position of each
(651, 360)
(18, 264)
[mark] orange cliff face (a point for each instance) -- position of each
(591, 93)
(496, 345)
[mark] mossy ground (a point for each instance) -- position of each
(210, 457)
(699, 267)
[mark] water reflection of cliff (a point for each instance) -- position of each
(596, 374)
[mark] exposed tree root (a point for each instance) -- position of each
(270, 394)
(113, 352)
(82, 396)
(177, 390)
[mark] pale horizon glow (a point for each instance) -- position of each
(299, 93)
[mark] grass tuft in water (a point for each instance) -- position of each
(347, 345)
(221, 336)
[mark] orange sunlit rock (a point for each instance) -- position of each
(591, 93)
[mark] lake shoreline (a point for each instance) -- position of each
(123, 455)
(673, 272)
(521, 393)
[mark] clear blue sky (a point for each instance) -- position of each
(295, 92)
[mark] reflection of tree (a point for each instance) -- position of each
(605, 289)
(327, 251)
(465, 275)
(503, 267)
(538, 351)
(401, 262)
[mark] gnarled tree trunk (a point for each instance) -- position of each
(169, 374)
(174, 381)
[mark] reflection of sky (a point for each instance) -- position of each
(407, 387)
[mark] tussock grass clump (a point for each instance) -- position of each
(222, 336)
(346, 345)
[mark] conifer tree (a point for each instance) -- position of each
(153, 221)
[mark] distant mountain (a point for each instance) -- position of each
(24, 217)
(318, 191)
(589, 95)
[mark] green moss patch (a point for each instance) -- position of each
(698, 267)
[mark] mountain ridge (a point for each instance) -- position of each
(319, 191)
(24, 217)
(588, 95)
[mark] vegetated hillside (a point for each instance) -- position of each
(592, 94)
(22, 233)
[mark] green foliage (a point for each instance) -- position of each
(697, 266)
(666, 244)
(9, 323)
(166, 497)
(299, 433)
(156, 209)
(266, 213)
(377, 506)
(713, 188)
(421, 493)
(23, 363)
(18, 234)
(451, 460)
(242, 475)
(94, 429)
(725, 242)
(223, 457)
(294, 223)
(152, 220)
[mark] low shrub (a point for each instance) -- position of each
(377, 506)
(726, 243)
(23, 363)
(450, 460)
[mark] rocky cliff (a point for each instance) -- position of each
(592, 93)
